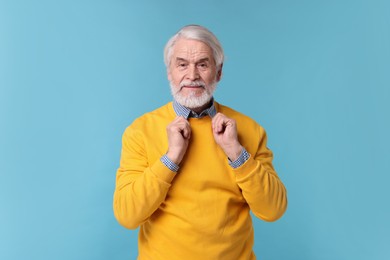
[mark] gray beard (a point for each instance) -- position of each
(192, 101)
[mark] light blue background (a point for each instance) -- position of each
(74, 74)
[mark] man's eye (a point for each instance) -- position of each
(202, 65)
(182, 65)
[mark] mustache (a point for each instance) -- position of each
(196, 83)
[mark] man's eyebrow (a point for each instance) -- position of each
(181, 59)
(203, 60)
(198, 61)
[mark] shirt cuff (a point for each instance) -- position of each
(244, 156)
(167, 162)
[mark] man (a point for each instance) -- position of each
(191, 170)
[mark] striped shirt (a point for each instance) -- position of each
(185, 112)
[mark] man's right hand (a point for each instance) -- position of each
(179, 133)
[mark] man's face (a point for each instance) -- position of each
(192, 73)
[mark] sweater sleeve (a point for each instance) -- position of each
(141, 186)
(260, 185)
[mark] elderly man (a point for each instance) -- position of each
(191, 170)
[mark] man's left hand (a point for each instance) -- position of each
(225, 135)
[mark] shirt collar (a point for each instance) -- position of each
(187, 113)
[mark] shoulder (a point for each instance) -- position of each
(152, 121)
(162, 113)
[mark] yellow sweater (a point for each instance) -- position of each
(202, 212)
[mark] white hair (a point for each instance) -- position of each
(199, 33)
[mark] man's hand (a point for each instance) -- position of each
(179, 133)
(225, 135)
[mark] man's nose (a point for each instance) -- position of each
(193, 73)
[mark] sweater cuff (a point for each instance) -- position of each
(246, 170)
(162, 172)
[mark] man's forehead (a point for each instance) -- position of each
(191, 47)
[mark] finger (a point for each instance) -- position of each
(221, 126)
(220, 123)
(184, 127)
(186, 131)
(215, 121)
(179, 119)
(217, 126)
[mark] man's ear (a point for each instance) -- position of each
(219, 73)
